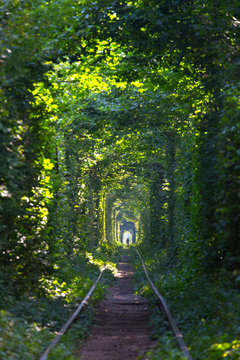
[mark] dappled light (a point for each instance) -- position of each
(119, 130)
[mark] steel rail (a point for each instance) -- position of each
(172, 322)
(62, 331)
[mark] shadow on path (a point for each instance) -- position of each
(121, 329)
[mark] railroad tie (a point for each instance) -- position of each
(121, 329)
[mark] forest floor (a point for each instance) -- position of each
(121, 329)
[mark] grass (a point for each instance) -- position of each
(205, 307)
(28, 324)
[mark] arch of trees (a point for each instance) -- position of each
(127, 230)
(113, 110)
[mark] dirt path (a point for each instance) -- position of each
(121, 329)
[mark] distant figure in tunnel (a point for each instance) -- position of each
(127, 241)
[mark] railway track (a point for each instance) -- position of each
(121, 328)
(163, 304)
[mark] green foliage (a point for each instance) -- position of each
(166, 349)
(225, 351)
(206, 308)
(29, 325)
(20, 340)
(23, 340)
(120, 110)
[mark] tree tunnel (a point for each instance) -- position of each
(121, 121)
(125, 211)
(127, 232)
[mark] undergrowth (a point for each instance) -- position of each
(28, 323)
(205, 307)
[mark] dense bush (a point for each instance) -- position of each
(113, 111)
